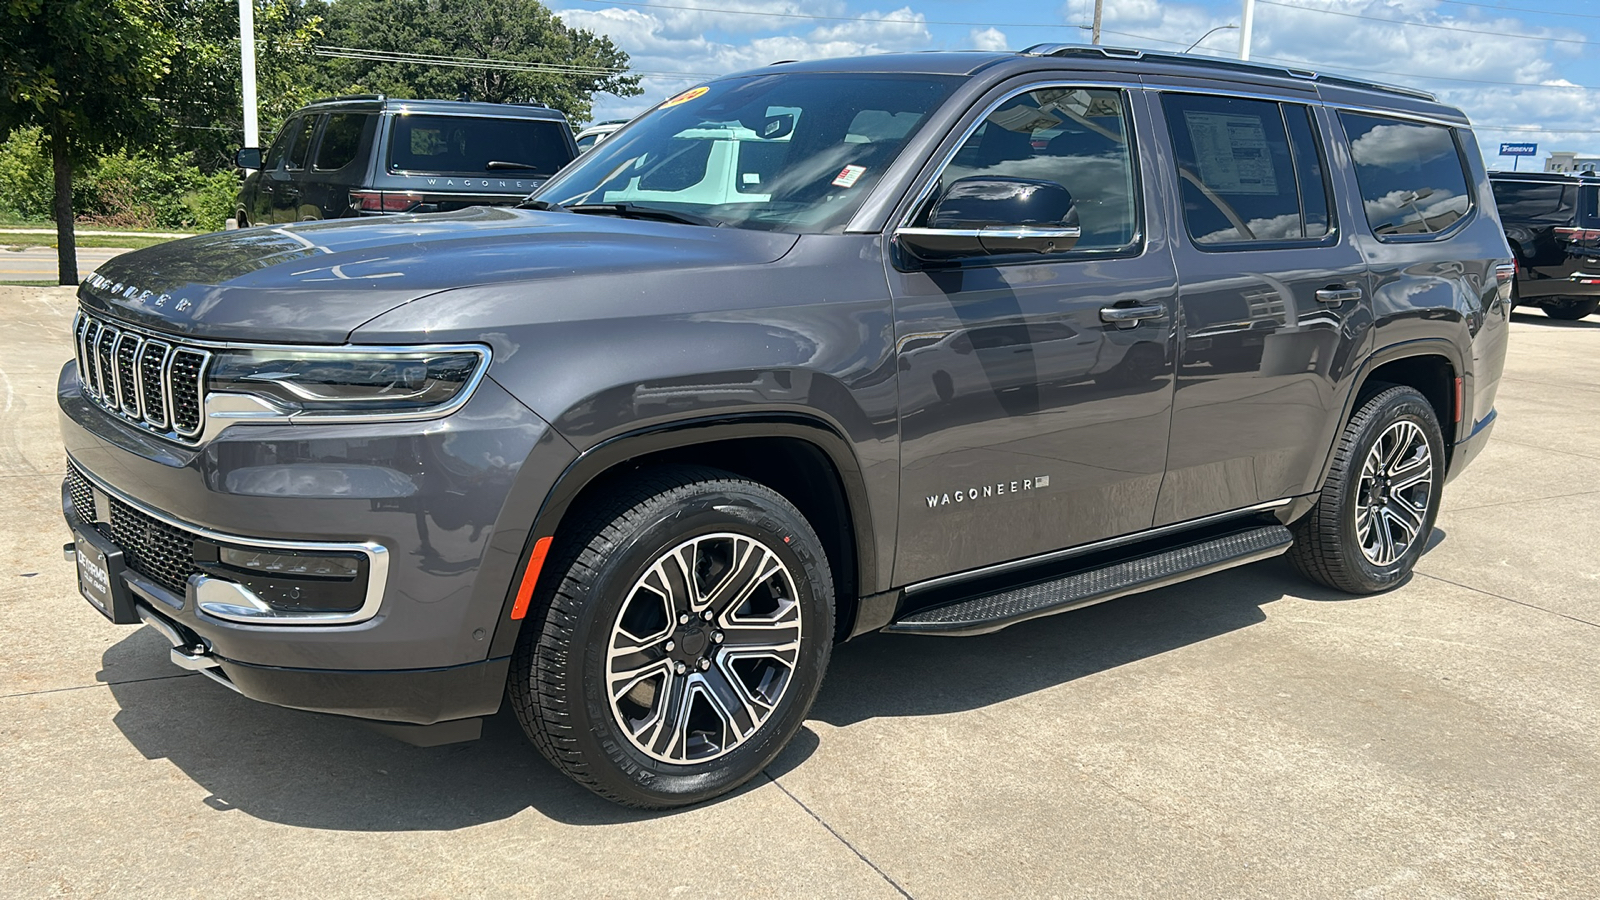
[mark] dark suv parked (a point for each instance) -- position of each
(925, 343)
(368, 155)
(1553, 223)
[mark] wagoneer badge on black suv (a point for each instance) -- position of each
(636, 456)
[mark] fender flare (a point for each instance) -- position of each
(591, 464)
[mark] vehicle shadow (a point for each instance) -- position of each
(1542, 319)
(315, 771)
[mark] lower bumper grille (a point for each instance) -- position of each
(158, 551)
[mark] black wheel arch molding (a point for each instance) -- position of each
(676, 441)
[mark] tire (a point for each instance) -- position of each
(598, 592)
(1331, 544)
(1570, 309)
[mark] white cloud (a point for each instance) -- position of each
(990, 38)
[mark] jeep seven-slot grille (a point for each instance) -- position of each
(156, 384)
(158, 551)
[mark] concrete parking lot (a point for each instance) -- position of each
(1245, 735)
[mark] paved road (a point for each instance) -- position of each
(1246, 735)
(39, 263)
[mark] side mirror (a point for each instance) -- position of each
(247, 158)
(994, 216)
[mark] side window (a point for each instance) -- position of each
(341, 137)
(1075, 137)
(1249, 171)
(302, 142)
(1412, 177)
(275, 153)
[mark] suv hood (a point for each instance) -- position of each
(317, 282)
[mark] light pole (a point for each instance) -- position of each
(1209, 34)
(247, 67)
(1249, 24)
(1094, 36)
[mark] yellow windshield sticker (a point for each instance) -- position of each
(686, 96)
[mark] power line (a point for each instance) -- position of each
(1408, 22)
(1522, 9)
(502, 65)
(778, 15)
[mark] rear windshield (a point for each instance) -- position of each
(462, 145)
(1533, 199)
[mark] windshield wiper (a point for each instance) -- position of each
(635, 211)
(542, 205)
(503, 164)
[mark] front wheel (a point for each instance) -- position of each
(1571, 309)
(679, 637)
(1378, 504)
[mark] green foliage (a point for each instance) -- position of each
(512, 30)
(118, 190)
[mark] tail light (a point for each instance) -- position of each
(385, 201)
(1578, 234)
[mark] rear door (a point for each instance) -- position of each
(1029, 423)
(289, 180)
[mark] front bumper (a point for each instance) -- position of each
(445, 502)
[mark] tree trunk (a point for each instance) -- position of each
(66, 239)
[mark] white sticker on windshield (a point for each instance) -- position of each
(849, 175)
(1232, 152)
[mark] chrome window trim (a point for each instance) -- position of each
(1396, 114)
(377, 562)
(222, 409)
(1106, 544)
(1127, 87)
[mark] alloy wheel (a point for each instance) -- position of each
(1393, 493)
(703, 648)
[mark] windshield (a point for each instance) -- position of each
(780, 152)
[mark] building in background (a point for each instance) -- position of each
(1568, 161)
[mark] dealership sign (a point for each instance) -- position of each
(1519, 149)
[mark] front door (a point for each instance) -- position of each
(1270, 282)
(1029, 422)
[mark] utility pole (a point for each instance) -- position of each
(1094, 37)
(1244, 34)
(247, 67)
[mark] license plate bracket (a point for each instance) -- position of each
(100, 581)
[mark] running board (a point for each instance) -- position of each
(992, 612)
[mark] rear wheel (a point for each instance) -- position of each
(1571, 308)
(1379, 502)
(679, 639)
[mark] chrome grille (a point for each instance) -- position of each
(156, 384)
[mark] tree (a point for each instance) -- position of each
(514, 31)
(84, 71)
(203, 114)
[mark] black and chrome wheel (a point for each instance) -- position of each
(678, 638)
(1378, 504)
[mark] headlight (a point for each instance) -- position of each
(299, 381)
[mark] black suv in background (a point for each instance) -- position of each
(925, 343)
(370, 155)
(1553, 223)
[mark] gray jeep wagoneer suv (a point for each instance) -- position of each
(930, 343)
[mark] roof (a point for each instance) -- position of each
(445, 107)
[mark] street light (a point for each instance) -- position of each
(1209, 34)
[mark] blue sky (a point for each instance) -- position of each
(1513, 88)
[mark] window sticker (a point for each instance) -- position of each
(1232, 152)
(849, 175)
(686, 96)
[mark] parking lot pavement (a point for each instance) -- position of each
(1242, 735)
(40, 263)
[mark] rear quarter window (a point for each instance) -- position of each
(1412, 177)
(463, 145)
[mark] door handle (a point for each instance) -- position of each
(1126, 315)
(1338, 294)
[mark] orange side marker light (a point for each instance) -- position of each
(1459, 391)
(530, 577)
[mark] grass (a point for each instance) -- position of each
(18, 241)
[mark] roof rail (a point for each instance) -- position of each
(343, 97)
(1212, 62)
